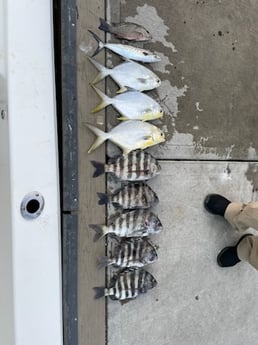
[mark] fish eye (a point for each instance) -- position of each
(145, 53)
(160, 111)
(158, 81)
(147, 31)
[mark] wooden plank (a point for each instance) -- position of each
(91, 325)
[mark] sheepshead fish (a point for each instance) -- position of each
(126, 51)
(136, 166)
(129, 136)
(134, 252)
(127, 285)
(138, 223)
(126, 31)
(132, 105)
(128, 74)
(131, 197)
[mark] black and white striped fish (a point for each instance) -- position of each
(138, 223)
(134, 252)
(136, 166)
(127, 285)
(131, 197)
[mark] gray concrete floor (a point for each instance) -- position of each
(209, 94)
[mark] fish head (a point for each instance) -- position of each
(155, 169)
(158, 135)
(151, 255)
(153, 223)
(150, 281)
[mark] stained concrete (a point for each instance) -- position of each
(209, 71)
(195, 302)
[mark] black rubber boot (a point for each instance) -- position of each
(216, 204)
(228, 256)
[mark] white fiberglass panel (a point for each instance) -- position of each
(31, 165)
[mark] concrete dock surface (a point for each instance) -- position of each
(209, 93)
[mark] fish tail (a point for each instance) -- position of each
(101, 137)
(99, 292)
(100, 231)
(105, 100)
(100, 168)
(103, 71)
(104, 26)
(103, 262)
(103, 198)
(100, 43)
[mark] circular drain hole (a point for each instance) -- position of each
(32, 205)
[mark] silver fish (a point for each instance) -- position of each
(132, 105)
(136, 166)
(134, 252)
(127, 285)
(131, 197)
(138, 223)
(126, 51)
(129, 136)
(128, 74)
(127, 31)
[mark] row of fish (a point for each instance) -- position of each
(128, 231)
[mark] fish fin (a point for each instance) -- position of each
(99, 229)
(116, 204)
(105, 100)
(104, 26)
(103, 198)
(103, 71)
(122, 89)
(123, 118)
(103, 262)
(147, 137)
(99, 292)
(100, 43)
(101, 137)
(100, 168)
(125, 301)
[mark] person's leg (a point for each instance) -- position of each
(247, 250)
(228, 256)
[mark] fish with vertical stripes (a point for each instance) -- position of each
(136, 166)
(133, 252)
(138, 223)
(130, 197)
(127, 285)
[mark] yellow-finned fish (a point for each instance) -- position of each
(128, 74)
(129, 135)
(126, 31)
(126, 51)
(132, 105)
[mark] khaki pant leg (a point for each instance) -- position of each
(247, 250)
(242, 216)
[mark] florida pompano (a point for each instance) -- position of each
(127, 31)
(129, 135)
(128, 74)
(126, 51)
(136, 166)
(132, 105)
